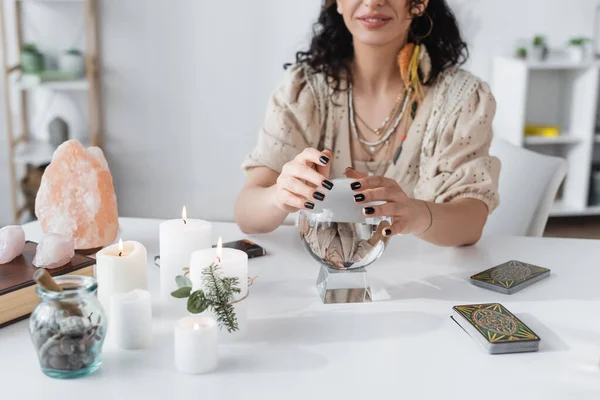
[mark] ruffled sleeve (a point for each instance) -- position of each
(461, 166)
(292, 122)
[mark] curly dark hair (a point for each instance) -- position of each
(331, 49)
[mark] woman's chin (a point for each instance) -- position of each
(375, 39)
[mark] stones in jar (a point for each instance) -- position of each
(69, 345)
(68, 328)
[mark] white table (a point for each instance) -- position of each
(406, 347)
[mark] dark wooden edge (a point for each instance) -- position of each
(13, 321)
(90, 261)
(63, 272)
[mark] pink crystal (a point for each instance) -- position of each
(77, 198)
(12, 242)
(53, 251)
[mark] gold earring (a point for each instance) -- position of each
(417, 39)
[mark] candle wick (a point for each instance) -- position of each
(120, 253)
(218, 260)
(184, 222)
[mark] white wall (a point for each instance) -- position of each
(496, 27)
(186, 82)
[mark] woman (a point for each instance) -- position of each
(379, 97)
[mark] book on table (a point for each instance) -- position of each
(17, 288)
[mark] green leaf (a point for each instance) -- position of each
(182, 292)
(183, 281)
(213, 284)
(579, 41)
(226, 316)
(218, 293)
(230, 287)
(197, 303)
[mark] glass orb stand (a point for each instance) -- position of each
(343, 286)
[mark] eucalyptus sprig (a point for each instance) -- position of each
(217, 295)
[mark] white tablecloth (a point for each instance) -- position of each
(404, 347)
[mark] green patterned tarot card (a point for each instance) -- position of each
(496, 328)
(510, 277)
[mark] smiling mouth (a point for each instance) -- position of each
(374, 19)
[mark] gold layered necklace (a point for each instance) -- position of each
(386, 121)
(373, 146)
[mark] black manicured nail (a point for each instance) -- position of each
(355, 185)
(359, 197)
(309, 205)
(388, 232)
(327, 185)
(319, 196)
(324, 160)
(369, 210)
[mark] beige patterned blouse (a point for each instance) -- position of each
(445, 155)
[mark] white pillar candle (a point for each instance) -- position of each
(232, 263)
(120, 268)
(178, 240)
(130, 319)
(196, 343)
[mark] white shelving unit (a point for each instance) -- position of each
(24, 149)
(553, 64)
(552, 93)
(564, 138)
(36, 153)
(33, 152)
(31, 83)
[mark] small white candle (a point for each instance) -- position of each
(178, 240)
(196, 342)
(120, 268)
(130, 319)
(232, 263)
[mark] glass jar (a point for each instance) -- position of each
(68, 328)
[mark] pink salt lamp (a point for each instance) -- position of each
(77, 198)
(12, 242)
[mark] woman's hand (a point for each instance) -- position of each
(297, 184)
(409, 216)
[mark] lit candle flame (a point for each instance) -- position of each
(219, 249)
(196, 327)
(184, 215)
(120, 247)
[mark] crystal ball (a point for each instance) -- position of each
(337, 234)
